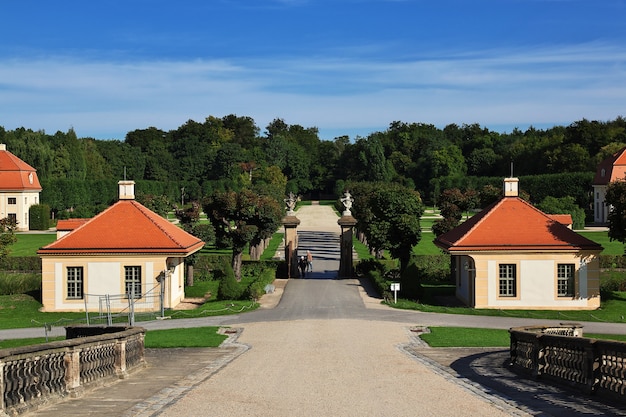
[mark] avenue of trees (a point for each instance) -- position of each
(239, 174)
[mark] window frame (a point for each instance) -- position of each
(510, 282)
(75, 283)
(12, 201)
(133, 278)
(569, 281)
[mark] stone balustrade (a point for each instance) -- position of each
(560, 354)
(35, 375)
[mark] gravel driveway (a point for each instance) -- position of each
(328, 366)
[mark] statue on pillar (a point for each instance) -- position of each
(290, 202)
(347, 201)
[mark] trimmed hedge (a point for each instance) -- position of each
(612, 261)
(39, 216)
(21, 263)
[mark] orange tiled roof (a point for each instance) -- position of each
(70, 224)
(613, 167)
(565, 219)
(125, 227)
(513, 224)
(17, 175)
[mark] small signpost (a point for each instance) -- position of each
(395, 287)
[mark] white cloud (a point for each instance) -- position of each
(108, 99)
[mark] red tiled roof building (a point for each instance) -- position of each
(610, 169)
(512, 255)
(125, 248)
(19, 188)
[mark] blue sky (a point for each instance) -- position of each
(347, 67)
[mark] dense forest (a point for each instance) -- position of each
(79, 175)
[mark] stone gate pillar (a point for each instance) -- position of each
(347, 223)
(291, 222)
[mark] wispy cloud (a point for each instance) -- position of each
(491, 87)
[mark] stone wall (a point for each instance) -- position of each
(560, 354)
(35, 375)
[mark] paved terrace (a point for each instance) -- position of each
(325, 347)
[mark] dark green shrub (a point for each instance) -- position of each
(206, 265)
(432, 268)
(410, 282)
(256, 289)
(378, 275)
(229, 288)
(363, 267)
(39, 216)
(19, 283)
(612, 261)
(21, 263)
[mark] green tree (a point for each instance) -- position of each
(564, 205)
(451, 203)
(7, 236)
(389, 216)
(241, 218)
(160, 204)
(616, 199)
(188, 218)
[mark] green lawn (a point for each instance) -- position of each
(184, 338)
(610, 248)
(195, 337)
(28, 243)
(612, 310)
(476, 337)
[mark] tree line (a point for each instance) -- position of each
(228, 153)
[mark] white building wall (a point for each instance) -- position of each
(600, 209)
(537, 281)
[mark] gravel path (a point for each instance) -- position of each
(328, 368)
(334, 367)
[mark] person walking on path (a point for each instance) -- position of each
(309, 260)
(302, 264)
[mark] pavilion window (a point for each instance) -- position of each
(75, 282)
(132, 281)
(508, 280)
(565, 280)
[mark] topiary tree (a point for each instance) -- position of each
(39, 216)
(229, 288)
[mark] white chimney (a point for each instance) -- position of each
(511, 187)
(3, 147)
(126, 190)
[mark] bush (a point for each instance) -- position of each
(378, 274)
(21, 263)
(410, 282)
(39, 216)
(206, 265)
(612, 261)
(611, 281)
(229, 288)
(12, 283)
(432, 269)
(257, 287)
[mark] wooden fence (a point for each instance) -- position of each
(35, 375)
(560, 354)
